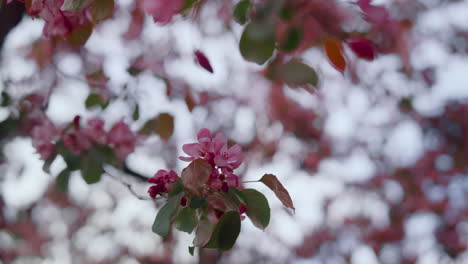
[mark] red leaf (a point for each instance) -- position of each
(275, 185)
(363, 48)
(334, 51)
(203, 61)
(196, 174)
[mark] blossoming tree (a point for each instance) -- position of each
(292, 54)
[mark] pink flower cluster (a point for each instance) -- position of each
(214, 150)
(163, 181)
(223, 159)
(161, 10)
(44, 137)
(57, 21)
(78, 139)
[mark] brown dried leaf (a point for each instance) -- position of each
(275, 185)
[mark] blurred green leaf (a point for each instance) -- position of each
(176, 188)
(75, 5)
(80, 35)
(226, 231)
(294, 73)
(293, 40)
(102, 9)
(258, 209)
(186, 220)
(162, 222)
(91, 170)
(241, 11)
(190, 250)
(136, 113)
(62, 179)
(198, 202)
(48, 162)
(257, 42)
(93, 100)
(6, 99)
(73, 161)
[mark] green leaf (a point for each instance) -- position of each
(231, 199)
(75, 5)
(188, 4)
(257, 42)
(293, 40)
(275, 185)
(295, 73)
(226, 231)
(133, 71)
(102, 9)
(91, 170)
(80, 35)
(241, 11)
(93, 100)
(285, 13)
(136, 113)
(62, 180)
(239, 194)
(186, 220)
(190, 250)
(258, 209)
(162, 222)
(73, 161)
(198, 202)
(103, 154)
(176, 188)
(48, 162)
(6, 99)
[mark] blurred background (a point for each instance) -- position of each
(375, 159)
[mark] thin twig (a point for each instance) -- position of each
(129, 187)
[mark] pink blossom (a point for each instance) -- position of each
(215, 184)
(58, 22)
(161, 10)
(44, 137)
(95, 131)
(202, 149)
(122, 138)
(232, 180)
(229, 158)
(163, 181)
(76, 141)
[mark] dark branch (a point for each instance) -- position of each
(10, 16)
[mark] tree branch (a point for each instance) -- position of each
(10, 15)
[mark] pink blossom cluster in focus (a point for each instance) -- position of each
(223, 159)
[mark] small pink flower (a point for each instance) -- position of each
(215, 184)
(95, 131)
(122, 139)
(232, 180)
(76, 142)
(230, 158)
(44, 137)
(163, 181)
(201, 149)
(161, 10)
